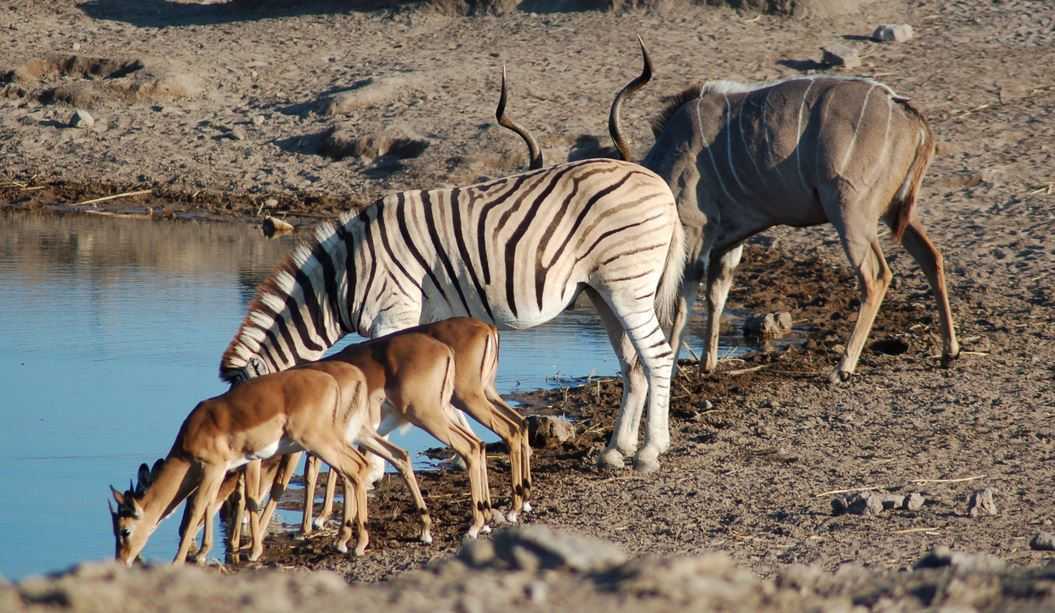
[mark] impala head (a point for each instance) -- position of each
(131, 530)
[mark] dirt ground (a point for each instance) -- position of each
(226, 112)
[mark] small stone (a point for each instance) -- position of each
(770, 325)
(76, 46)
(1042, 541)
(238, 133)
(840, 55)
(536, 592)
(82, 119)
(942, 556)
(706, 405)
(867, 503)
(981, 503)
(548, 431)
(258, 120)
(914, 502)
(271, 203)
(892, 501)
(273, 226)
(892, 33)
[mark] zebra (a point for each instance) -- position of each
(802, 151)
(513, 251)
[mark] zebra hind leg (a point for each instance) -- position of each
(635, 387)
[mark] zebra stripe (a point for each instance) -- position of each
(514, 252)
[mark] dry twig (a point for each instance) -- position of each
(113, 197)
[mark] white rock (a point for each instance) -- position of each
(892, 33)
(82, 119)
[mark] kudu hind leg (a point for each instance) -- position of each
(928, 258)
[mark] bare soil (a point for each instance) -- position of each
(223, 111)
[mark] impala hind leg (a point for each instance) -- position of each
(635, 387)
(719, 281)
(327, 503)
(873, 274)
(311, 477)
(283, 475)
(394, 455)
(928, 258)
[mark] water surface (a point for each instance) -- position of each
(112, 331)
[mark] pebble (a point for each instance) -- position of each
(1042, 541)
(981, 503)
(238, 133)
(893, 33)
(770, 325)
(82, 119)
(942, 556)
(258, 120)
(273, 226)
(840, 55)
(914, 502)
(537, 546)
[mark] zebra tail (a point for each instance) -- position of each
(670, 283)
(905, 199)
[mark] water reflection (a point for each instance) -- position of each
(112, 332)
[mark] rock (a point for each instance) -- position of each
(367, 93)
(942, 556)
(398, 143)
(1042, 541)
(892, 501)
(548, 431)
(546, 548)
(914, 502)
(866, 503)
(237, 133)
(981, 503)
(273, 226)
(771, 325)
(477, 553)
(892, 33)
(82, 119)
(840, 55)
(258, 120)
(272, 203)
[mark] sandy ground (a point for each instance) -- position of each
(223, 111)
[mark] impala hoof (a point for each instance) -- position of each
(319, 523)
(611, 458)
(948, 358)
(527, 507)
(512, 517)
(426, 538)
(342, 547)
(359, 551)
(840, 376)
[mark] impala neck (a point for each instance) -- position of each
(175, 481)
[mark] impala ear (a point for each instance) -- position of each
(142, 478)
(154, 470)
(110, 505)
(137, 510)
(119, 498)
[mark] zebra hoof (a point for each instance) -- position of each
(647, 461)
(611, 458)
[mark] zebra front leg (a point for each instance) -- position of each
(719, 281)
(635, 386)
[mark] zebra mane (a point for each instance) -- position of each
(271, 297)
(673, 103)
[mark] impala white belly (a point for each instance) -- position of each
(283, 446)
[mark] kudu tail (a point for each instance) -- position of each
(670, 282)
(905, 199)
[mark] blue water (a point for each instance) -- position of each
(111, 331)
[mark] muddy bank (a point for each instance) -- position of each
(537, 569)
